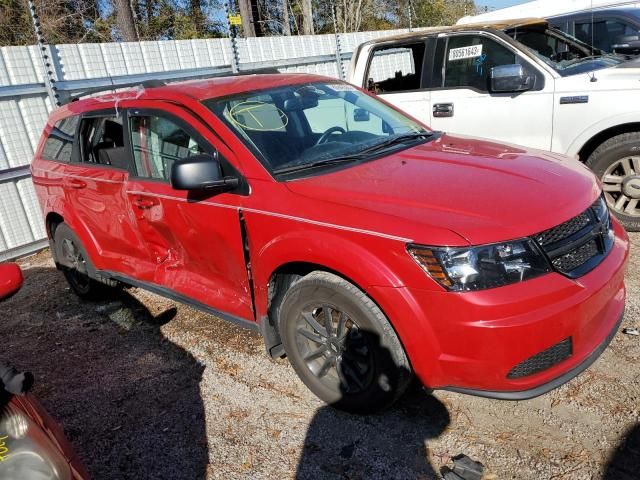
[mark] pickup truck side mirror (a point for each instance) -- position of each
(201, 172)
(510, 78)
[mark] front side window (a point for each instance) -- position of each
(396, 68)
(157, 143)
(293, 127)
(469, 59)
(59, 144)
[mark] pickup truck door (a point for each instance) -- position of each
(395, 72)
(195, 239)
(460, 98)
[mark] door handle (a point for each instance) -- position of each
(443, 110)
(144, 203)
(75, 183)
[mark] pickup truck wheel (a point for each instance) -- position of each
(617, 163)
(73, 258)
(341, 345)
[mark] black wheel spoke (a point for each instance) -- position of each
(313, 323)
(342, 323)
(315, 353)
(325, 367)
(311, 336)
(351, 373)
(328, 320)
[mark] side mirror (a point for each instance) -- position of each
(510, 78)
(361, 115)
(201, 172)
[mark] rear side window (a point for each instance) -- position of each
(604, 33)
(102, 141)
(158, 142)
(59, 144)
(396, 68)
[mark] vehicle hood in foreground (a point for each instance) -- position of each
(485, 192)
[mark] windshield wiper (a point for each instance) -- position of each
(320, 163)
(361, 155)
(397, 139)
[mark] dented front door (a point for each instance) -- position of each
(196, 243)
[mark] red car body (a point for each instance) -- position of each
(357, 222)
(10, 279)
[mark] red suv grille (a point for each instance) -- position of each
(577, 246)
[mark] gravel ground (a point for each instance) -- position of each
(149, 389)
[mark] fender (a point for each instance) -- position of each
(590, 132)
(355, 262)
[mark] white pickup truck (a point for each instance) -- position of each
(519, 82)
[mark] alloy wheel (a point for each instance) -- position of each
(76, 265)
(334, 349)
(621, 184)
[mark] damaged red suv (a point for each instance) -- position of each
(359, 243)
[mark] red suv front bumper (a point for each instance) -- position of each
(471, 341)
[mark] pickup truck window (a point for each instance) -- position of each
(396, 68)
(567, 55)
(470, 58)
(158, 142)
(295, 126)
(603, 33)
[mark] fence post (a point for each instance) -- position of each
(235, 55)
(46, 55)
(339, 64)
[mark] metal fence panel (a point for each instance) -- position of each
(25, 104)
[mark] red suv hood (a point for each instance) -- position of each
(484, 191)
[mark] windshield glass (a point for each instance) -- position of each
(315, 125)
(564, 53)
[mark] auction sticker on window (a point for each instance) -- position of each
(461, 53)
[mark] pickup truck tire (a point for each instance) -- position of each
(354, 361)
(74, 261)
(617, 163)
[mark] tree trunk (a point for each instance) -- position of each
(125, 21)
(246, 14)
(307, 17)
(195, 9)
(286, 26)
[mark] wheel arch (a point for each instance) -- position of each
(599, 138)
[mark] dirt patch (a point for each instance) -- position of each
(147, 388)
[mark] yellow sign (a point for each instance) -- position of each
(235, 20)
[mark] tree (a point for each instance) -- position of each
(307, 17)
(125, 20)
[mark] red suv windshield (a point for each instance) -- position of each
(290, 128)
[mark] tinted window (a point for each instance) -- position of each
(59, 144)
(603, 33)
(396, 68)
(158, 142)
(469, 59)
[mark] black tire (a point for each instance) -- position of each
(75, 264)
(617, 163)
(368, 368)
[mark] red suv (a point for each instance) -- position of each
(360, 244)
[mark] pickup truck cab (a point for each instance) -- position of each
(358, 242)
(521, 82)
